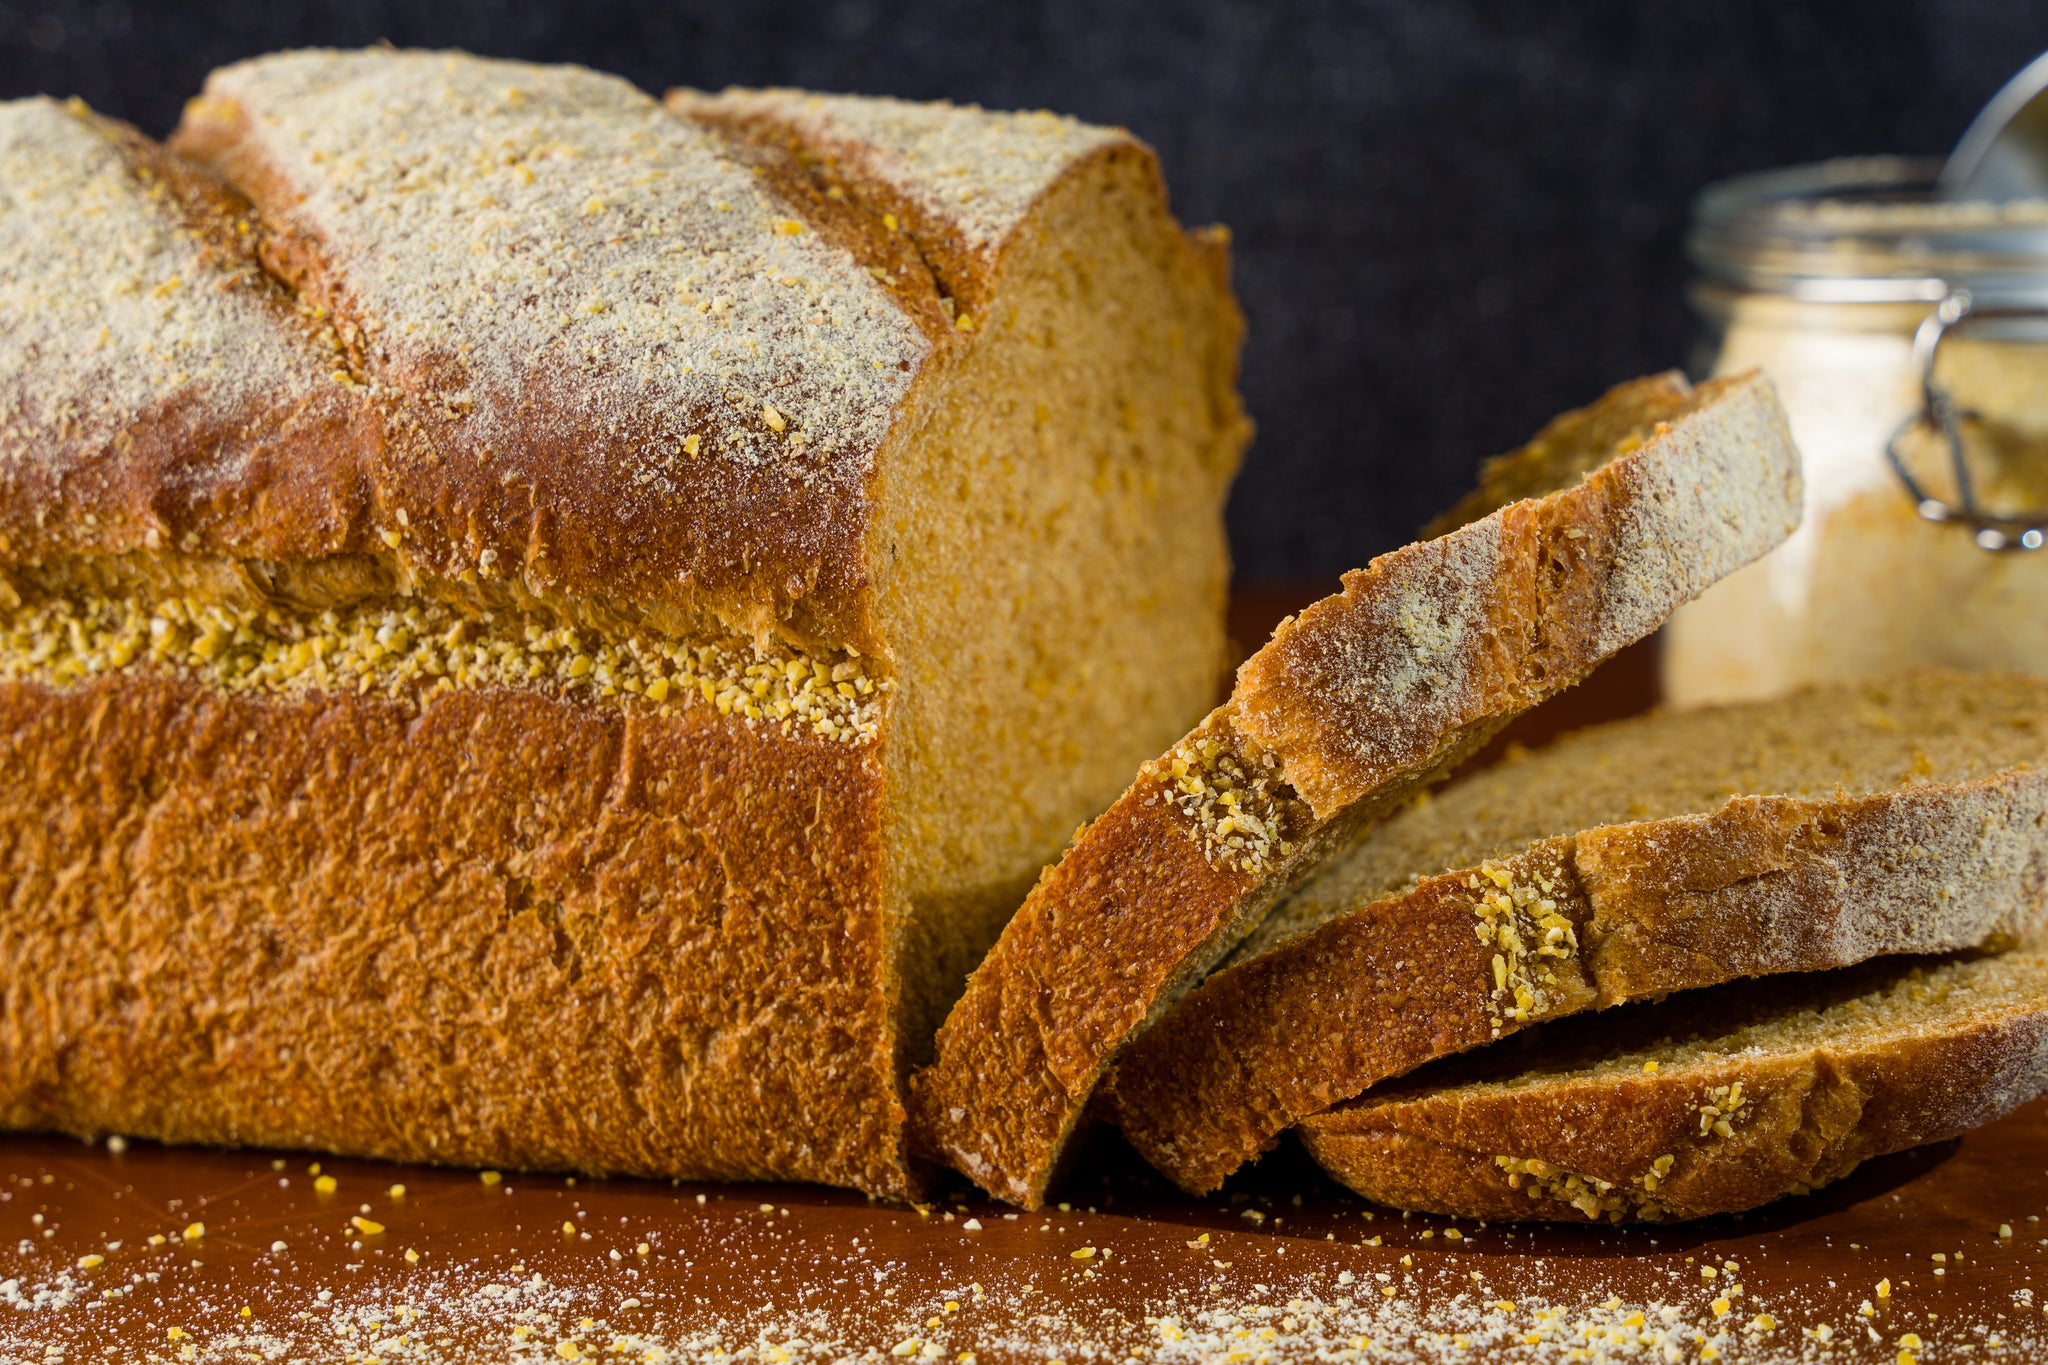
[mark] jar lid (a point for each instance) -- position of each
(1867, 230)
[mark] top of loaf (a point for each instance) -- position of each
(548, 233)
(959, 177)
(113, 300)
(553, 333)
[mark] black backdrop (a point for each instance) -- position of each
(1453, 218)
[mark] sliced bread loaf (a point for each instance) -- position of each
(1350, 708)
(1714, 1103)
(1668, 852)
(536, 630)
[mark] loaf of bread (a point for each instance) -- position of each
(1712, 1102)
(1670, 852)
(1349, 710)
(546, 630)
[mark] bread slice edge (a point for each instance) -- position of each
(1762, 886)
(1720, 1135)
(1479, 625)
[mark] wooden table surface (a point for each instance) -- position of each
(147, 1253)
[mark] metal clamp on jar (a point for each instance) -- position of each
(1997, 523)
(1908, 337)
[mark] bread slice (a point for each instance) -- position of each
(1683, 849)
(1349, 709)
(537, 630)
(1711, 1103)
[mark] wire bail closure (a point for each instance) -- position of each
(1991, 530)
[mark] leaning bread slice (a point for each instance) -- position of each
(1702, 1106)
(1683, 850)
(1349, 709)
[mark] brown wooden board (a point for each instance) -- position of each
(753, 1272)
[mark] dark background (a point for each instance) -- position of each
(1453, 219)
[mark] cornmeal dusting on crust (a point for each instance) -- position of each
(567, 252)
(1237, 809)
(111, 303)
(423, 649)
(1590, 1195)
(1529, 935)
(976, 172)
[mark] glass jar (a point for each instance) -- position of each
(1822, 275)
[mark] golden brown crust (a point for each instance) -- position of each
(480, 932)
(1483, 622)
(950, 182)
(577, 497)
(1569, 444)
(1023, 1048)
(1261, 1044)
(1763, 885)
(1364, 696)
(1806, 1116)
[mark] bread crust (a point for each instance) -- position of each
(1350, 707)
(1456, 632)
(745, 537)
(259, 464)
(1763, 885)
(351, 419)
(1809, 1116)
(482, 931)
(895, 159)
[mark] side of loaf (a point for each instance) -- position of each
(1716, 1106)
(1815, 831)
(496, 584)
(1351, 708)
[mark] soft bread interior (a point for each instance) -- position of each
(1051, 561)
(1873, 736)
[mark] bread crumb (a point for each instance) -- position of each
(1240, 813)
(1521, 920)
